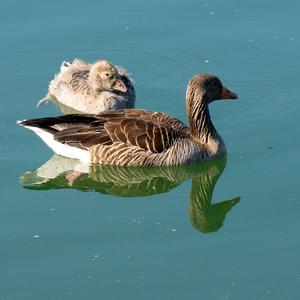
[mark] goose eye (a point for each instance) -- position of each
(214, 84)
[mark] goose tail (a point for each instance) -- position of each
(46, 128)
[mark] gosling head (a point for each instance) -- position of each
(105, 77)
(207, 88)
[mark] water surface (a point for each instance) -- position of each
(90, 239)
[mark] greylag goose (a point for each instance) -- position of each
(136, 137)
(81, 87)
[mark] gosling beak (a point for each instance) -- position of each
(226, 94)
(120, 86)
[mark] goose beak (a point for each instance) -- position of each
(227, 94)
(120, 86)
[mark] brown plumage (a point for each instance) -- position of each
(138, 137)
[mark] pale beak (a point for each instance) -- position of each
(120, 86)
(227, 94)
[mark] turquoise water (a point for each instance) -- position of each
(163, 236)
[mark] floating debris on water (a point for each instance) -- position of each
(95, 257)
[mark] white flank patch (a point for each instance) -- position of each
(59, 148)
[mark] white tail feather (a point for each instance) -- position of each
(59, 148)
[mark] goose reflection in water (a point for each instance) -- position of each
(65, 173)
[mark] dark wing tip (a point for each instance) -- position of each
(34, 122)
(30, 122)
(21, 123)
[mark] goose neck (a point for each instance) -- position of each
(202, 128)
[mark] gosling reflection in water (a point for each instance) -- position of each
(65, 173)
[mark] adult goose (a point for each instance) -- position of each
(139, 137)
(81, 87)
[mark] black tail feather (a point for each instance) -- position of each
(47, 123)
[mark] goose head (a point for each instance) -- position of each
(206, 88)
(105, 77)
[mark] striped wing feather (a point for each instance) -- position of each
(84, 136)
(79, 81)
(143, 134)
(147, 130)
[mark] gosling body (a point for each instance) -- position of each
(82, 87)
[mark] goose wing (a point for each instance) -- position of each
(74, 75)
(78, 81)
(146, 130)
